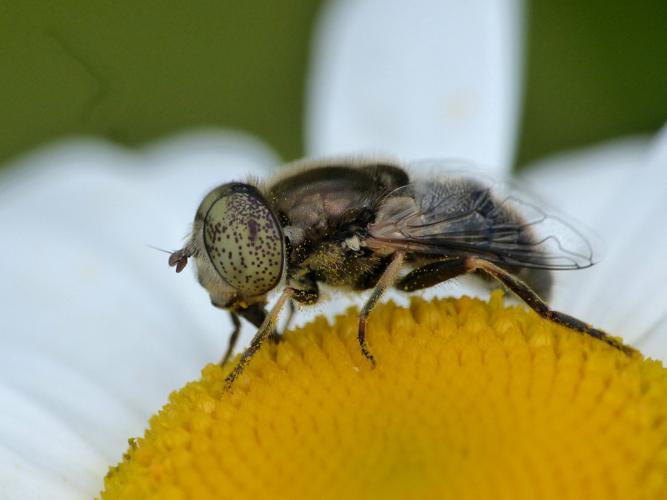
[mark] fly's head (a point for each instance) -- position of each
(238, 247)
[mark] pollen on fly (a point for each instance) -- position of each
(364, 224)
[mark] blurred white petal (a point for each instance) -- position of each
(620, 190)
(420, 79)
(585, 182)
(42, 455)
(96, 329)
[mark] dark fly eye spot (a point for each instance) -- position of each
(244, 240)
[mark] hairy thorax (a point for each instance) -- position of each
(335, 265)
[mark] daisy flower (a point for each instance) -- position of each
(96, 332)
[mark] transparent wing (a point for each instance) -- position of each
(463, 215)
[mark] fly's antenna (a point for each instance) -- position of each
(177, 258)
(160, 249)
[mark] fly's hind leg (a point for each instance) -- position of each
(431, 274)
(532, 300)
(385, 281)
(438, 272)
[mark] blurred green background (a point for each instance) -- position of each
(135, 71)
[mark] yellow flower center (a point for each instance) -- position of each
(468, 400)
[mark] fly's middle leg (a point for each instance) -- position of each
(385, 281)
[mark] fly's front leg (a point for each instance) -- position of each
(291, 309)
(523, 291)
(265, 330)
(385, 281)
(306, 292)
(233, 338)
(255, 314)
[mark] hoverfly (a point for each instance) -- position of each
(364, 224)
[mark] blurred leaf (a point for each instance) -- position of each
(134, 71)
(596, 69)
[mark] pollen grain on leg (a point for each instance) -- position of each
(469, 399)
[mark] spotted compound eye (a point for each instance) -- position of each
(244, 240)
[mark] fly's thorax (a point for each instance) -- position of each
(317, 198)
(239, 244)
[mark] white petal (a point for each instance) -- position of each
(96, 329)
(621, 191)
(42, 455)
(420, 79)
(584, 182)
